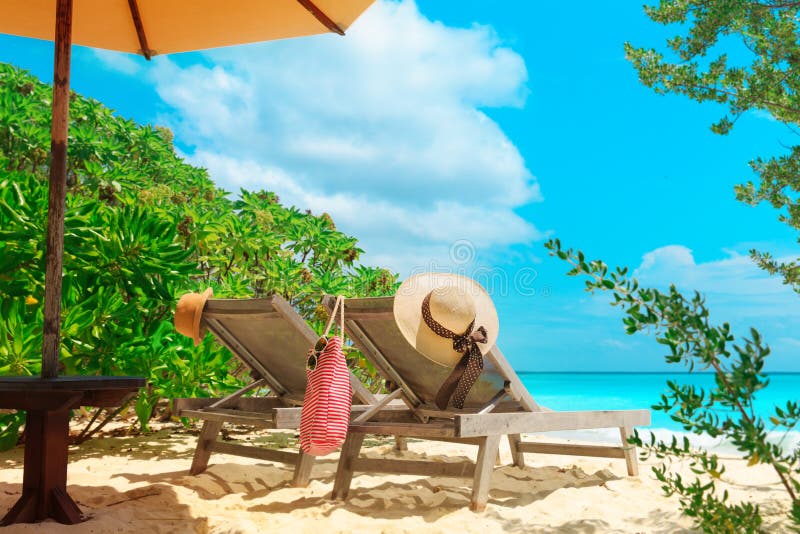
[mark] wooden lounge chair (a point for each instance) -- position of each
(268, 336)
(498, 404)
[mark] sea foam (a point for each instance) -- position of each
(789, 441)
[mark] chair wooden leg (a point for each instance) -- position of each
(630, 451)
(517, 456)
(203, 452)
(483, 472)
(344, 471)
(302, 470)
(400, 443)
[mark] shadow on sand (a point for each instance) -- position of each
(433, 497)
(153, 508)
(250, 481)
(426, 497)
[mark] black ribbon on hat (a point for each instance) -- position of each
(468, 368)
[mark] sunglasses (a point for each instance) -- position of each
(313, 354)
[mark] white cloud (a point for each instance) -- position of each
(381, 130)
(124, 63)
(794, 343)
(616, 344)
(428, 230)
(736, 290)
(765, 115)
(734, 285)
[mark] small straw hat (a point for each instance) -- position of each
(455, 302)
(188, 313)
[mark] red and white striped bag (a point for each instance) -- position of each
(326, 404)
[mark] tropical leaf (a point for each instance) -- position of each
(142, 227)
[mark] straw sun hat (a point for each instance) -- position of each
(188, 313)
(455, 302)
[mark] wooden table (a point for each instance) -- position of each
(47, 403)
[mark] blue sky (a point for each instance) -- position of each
(460, 136)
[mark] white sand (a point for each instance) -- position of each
(142, 484)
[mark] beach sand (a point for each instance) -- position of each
(141, 484)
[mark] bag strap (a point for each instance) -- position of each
(339, 306)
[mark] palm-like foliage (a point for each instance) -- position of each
(142, 227)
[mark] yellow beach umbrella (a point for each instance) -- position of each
(151, 27)
(146, 27)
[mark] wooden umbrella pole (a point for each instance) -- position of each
(58, 189)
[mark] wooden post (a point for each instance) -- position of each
(344, 471)
(203, 451)
(629, 450)
(58, 189)
(483, 472)
(44, 480)
(302, 470)
(47, 404)
(517, 455)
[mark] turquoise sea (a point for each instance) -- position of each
(621, 391)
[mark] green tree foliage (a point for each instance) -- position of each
(743, 55)
(763, 76)
(143, 227)
(726, 410)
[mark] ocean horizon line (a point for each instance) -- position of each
(639, 372)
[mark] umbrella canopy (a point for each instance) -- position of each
(151, 27)
(146, 27)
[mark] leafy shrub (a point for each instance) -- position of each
(725, 410)
(142, 227)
